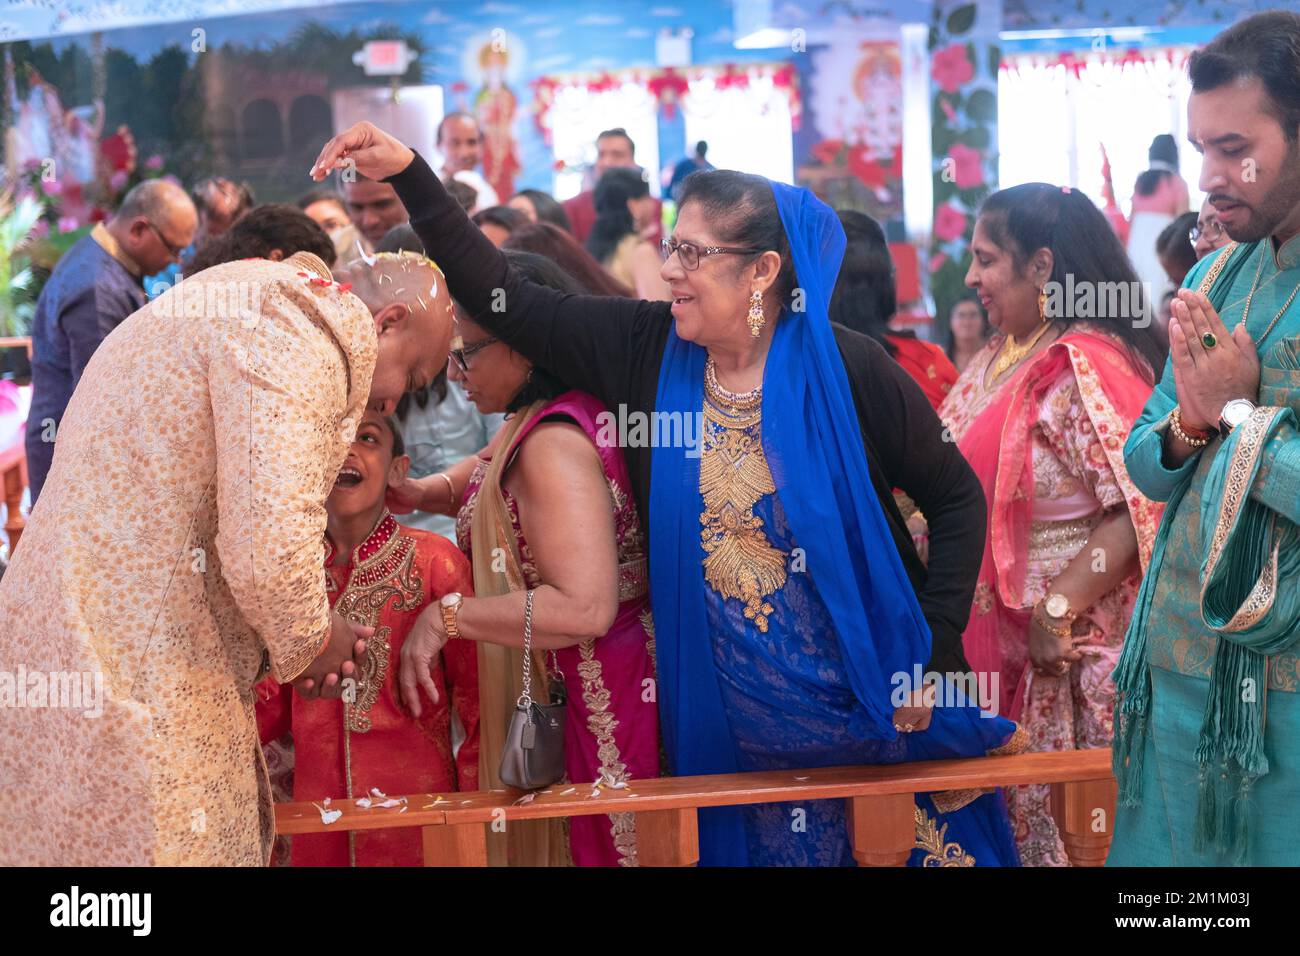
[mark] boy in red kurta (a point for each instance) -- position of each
(381, 575)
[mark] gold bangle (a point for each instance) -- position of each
(1175, 424)
(451, 489)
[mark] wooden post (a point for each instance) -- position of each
(462, 844)
(883, 829)
(1084, 811)
(668, 837)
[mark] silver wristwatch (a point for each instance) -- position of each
(1234, 413)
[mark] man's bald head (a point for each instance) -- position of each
(155, 221)
(407, 295)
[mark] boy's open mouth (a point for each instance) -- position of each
(348, 477)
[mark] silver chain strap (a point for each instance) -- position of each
(526, 698)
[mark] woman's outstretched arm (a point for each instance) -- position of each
(591, 342)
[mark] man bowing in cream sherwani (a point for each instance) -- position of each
(174, 559)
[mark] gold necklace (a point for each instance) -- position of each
(1259, 270)
(1012, 351)
(740, 563)
(740, 401)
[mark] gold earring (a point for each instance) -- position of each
(1042, 305)
(755, 318)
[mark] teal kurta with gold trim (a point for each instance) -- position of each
(1180, 649)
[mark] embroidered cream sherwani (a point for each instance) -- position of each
(176, 551)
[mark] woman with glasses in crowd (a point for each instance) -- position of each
(548, 489)
(792, 610)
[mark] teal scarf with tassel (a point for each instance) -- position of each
(1250, 597)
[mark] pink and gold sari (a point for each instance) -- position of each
(1048, 447)
(612, 725)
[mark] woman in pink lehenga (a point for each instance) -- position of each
(1041, 414)
(548, 508)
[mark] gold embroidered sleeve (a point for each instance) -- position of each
(278, 387)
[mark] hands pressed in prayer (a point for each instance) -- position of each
(1207, 378)
(344, 653)
(419, 652)
(375, 154)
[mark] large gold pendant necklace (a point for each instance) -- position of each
(739, 560)
(1012, 351)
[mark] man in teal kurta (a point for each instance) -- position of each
(1207, 747)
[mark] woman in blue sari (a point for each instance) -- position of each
(790, 606)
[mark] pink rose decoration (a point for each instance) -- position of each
(52, 188)
(117, 180)
(68, 224)
(936, 261)
(968, 166)
(949, 223)
(951, 68)
(153, 162)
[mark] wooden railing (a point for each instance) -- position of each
(881, 809)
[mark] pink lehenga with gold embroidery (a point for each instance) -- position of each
(1048, 446)
(612, 721)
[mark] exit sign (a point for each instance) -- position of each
(384, 57)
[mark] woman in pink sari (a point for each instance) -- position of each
(547, 508)
(1041, 414)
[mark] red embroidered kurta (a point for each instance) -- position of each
(343, 750)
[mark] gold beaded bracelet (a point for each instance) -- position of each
(1063, 630)
(1176, 424)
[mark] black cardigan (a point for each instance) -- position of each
(612, 348)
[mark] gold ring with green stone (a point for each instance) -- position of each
(1209, 340)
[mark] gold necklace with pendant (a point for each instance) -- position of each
(1013, 351)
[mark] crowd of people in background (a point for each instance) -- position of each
(981, 475)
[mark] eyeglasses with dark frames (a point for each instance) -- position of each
(461, 354)
(1212, 230)
(174, 250)
(690, 253)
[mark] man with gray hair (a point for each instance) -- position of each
(95, 285)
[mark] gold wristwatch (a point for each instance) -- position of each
(450, 604)
(1057, 616)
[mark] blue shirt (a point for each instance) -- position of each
(88, 294)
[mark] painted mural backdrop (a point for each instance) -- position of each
(245, 96)
(964, 58)
(857, 160)
(1088, 14)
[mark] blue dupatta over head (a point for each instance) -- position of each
(813, 444)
